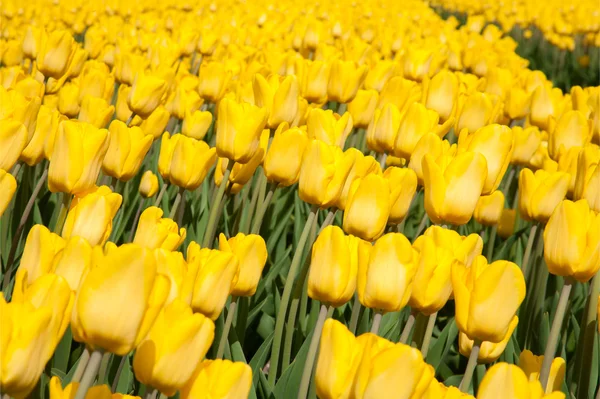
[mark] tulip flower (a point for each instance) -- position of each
(416, 122)
(251, 251)
(540, 193)
(278, 96)
(214, 78)
(13, 139)
(41, 248)
(172, 265)
(55, 53)
(383, 129)
(489, 208)
(57, 391)
(328, 127)
(146, 94)
(378, 75)
(441, 94)
(122, 111)
(488, 352)
(148, 184)
(153, 231)
(239, 127)
(453, 185)
(8, 186)
(506, 223)
(127, 148)
(571, 130)
(477, 111)
(543, 105)
(431, 144)
(73, 261)
(127, 65)
(527, 141)
(478, 291)
(368, 207)
(517, 103)
(362, 108)
(156, 123)
(68, 103)
(587, 174)
(99, 318)
(531, 365)
(368, 345)
(91, 215)
(504, 380)
(333, 267)
(386, 272)
(219, 379)
(437, 390)
(314, 84)
(176, 343)
(323, 173)
(45, 131)
(32, 41)
(196, 124)
(344, 80)
(95, 111)
(571, 241)
(403, 185)
(77, 156)
(16, 106)
(362, 166)
(183, 100)
(284, 158)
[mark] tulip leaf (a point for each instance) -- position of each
(504, 249)
(264, 388)
(454, 380)
(442, 345)
(256, 310)
(289, 382)
(260, 357)
(59, 373)
(60, 361)
(544, 332)
(273, 271)
(276, 233)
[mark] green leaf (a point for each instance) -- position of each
(60, 360)
(265, 389)
(442, 345)
(260, 357)
(290, 379)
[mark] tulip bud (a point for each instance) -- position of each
(251, 252)
(77, 156)
(214, 79)
(571, 130)
(156, 123)
(127, 65)
(482, 289)
(284, 158)
(383, 129)
(345, 79)
(377, 287)
(540, 193)
(441, 94)
(587, 175)
(504, 380)
(368, 207)
(148, 184)
(379, 74)
(488, 210)
(183, 100)
(95, 111)
(32, 41)
(453, 186)
(323, 173)
(532, 364)
(361, 166)
(362, 108)
(488, 352)
(400, 92)
(96, 81)
(314, 84)
(431, 144)
(13, 139)
(477, 111)
(570, 241)
(99, 318)
(403, 185)
(123, 113)
(516, 104)
(68, 103)
(153, 231)
(8, 186)
(328, 127)
(45, 132)
(527, 141)
(16, 106)
(146, 94)
(126, 151)
(219, 379)
(543, 105)
(278, 96)
(175, 345)
(239, 127)
(196, 124)
(416, 122)
(55, 53)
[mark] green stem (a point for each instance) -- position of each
(491, 242)
(285, 297)
(356, 305)
(260, 213)
(211, 227)
(328, 219)
(104, 367)
(136, 219)
(89, 375)
(130, 119)
(227, 327)
(115, 383)
(245, 224)
(587, 335)
(527, 255)
(178, 197)
(312, 354)
(555, 332)
(422, 225)
(408, 327)
(62, 215)
(376, 322)
(466, 380)
(428, 333)
(163, 189)
(83, 361)
(152, 394)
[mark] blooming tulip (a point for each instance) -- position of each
(430, 144)
(196, 124)
(153, 231)
(42, 142)
(362, 166)
(383, 129)
(477, 111)
(155, 124)
(540, 193)
(543, 105)
(278, 96)
(148, 184)
(95, 111)
(368, 207)
(251, 252)
(126, 151)
(314, 84)
(416, 122)
(68, 103)
(488, 210)
(73, 261)
(41, 247)
(527, 141)
(146, 94)
(8, 186)
(13, 139)
(55, 53)
(488, 351)
(344, 80)
(219, 379)
(284, 158)
(403, 185)
(441, 94)
(362, 108)
(571, 130)
(531, 365)
(214, 78)
(328, 127)
(504, 380)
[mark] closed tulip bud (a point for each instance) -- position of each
(73, 261)
(8, 186)
(190, 160)
(279, 96)
(362, 108)
(45, 132)
(32, 41)
(383, 129)
(477, 111)
(284, 158)
(30, 88)
(153, 231)
(148, 184)
(146, 94)
(219, 379)
(96, 111)
(13, 139)
(571, 130)
(91, 215)
(239, 126)
(482, 290)
(55, 53)
(175, 345)
(126, 151)
(12, 53)
(156, 123)
(214, 79)
(122, 111)
(127, 66)
(516, 104)
(441, 94)
(378, 75)
(251, 252)
(96, 81)
(183, 100)
(314, 84)
(99, 318)
(323, 173)
(339, 358)
(418, 63)
(345, 79)
(403, 185)
(488, 210)
(540, 193)
(431, 144)
(333, 267)
(570, 241)
(587, 170)
(386, 272)
(361, 166)
(368, 207)
(543, 105)
(328, 127)
(215, 273)
(506, 224)
(172, 265)
(504, 380)
(16, 106)
(488, 352)
(68, 103)
(532, 364)
(527, 141)
(453, 185)
(196, 124)
(416, 122)
(400, 92)
(76, 157)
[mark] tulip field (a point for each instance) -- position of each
(275, 199)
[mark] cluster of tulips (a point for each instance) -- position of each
(373, 202)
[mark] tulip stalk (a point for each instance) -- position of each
(555, 332)
(227, 327)
(312, 353)
(62, 215)
(356, 310)
(428, 333)
(471, 364)
(83, 361)
(530, 241)
(136, 219)
(408, 327)
(260, 213)
(89, 375)
(163, 189)
(178, 199)
(376, 322)
(211, 227)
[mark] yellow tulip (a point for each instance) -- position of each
(488, 210)
(96, 81)
(95, 111)
(172, 265)
(91, 215)
(571, 130)
(369, 346)
(517, 103)
(30, 88)
(55, 53)
(99, 318)
(418, 63)
(504, 380)
(68, 103)
(251, 251)
(386, 272)
(77, 157)
(488, 352)
(153, 231)
(441, 94)
(383, 129)
(219, 379)
(361, 166)
(8, 186)
(400, 92)
(41, 248)
(146, 94)
(506, 224)
(12, 53)
(403, 185)
(183, 100)
(284, 158)
(73, 261)
(362, 108)
(127, 65)
(333, 267)
(587, 175)
(214, 79)
(196, 124)
(487, 297)
(156, 123)
(368, 207)
(477, 111)
(543, 105)
(453, 185)
(148, 184)
(430, 144)
(314, 84)
(175, 345)
(527, 141)
(378, 75)
(16, 106)
(437, 390)
(126, 151)
(122, 111)
(532, 364)
(328, 127)
(239, 126)
(279, 96)
(571, 241)
(32, 41)
(57, 391)
(416, 122)
(42, 142)
(540, 193)
(13, 139)
(345, 79)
